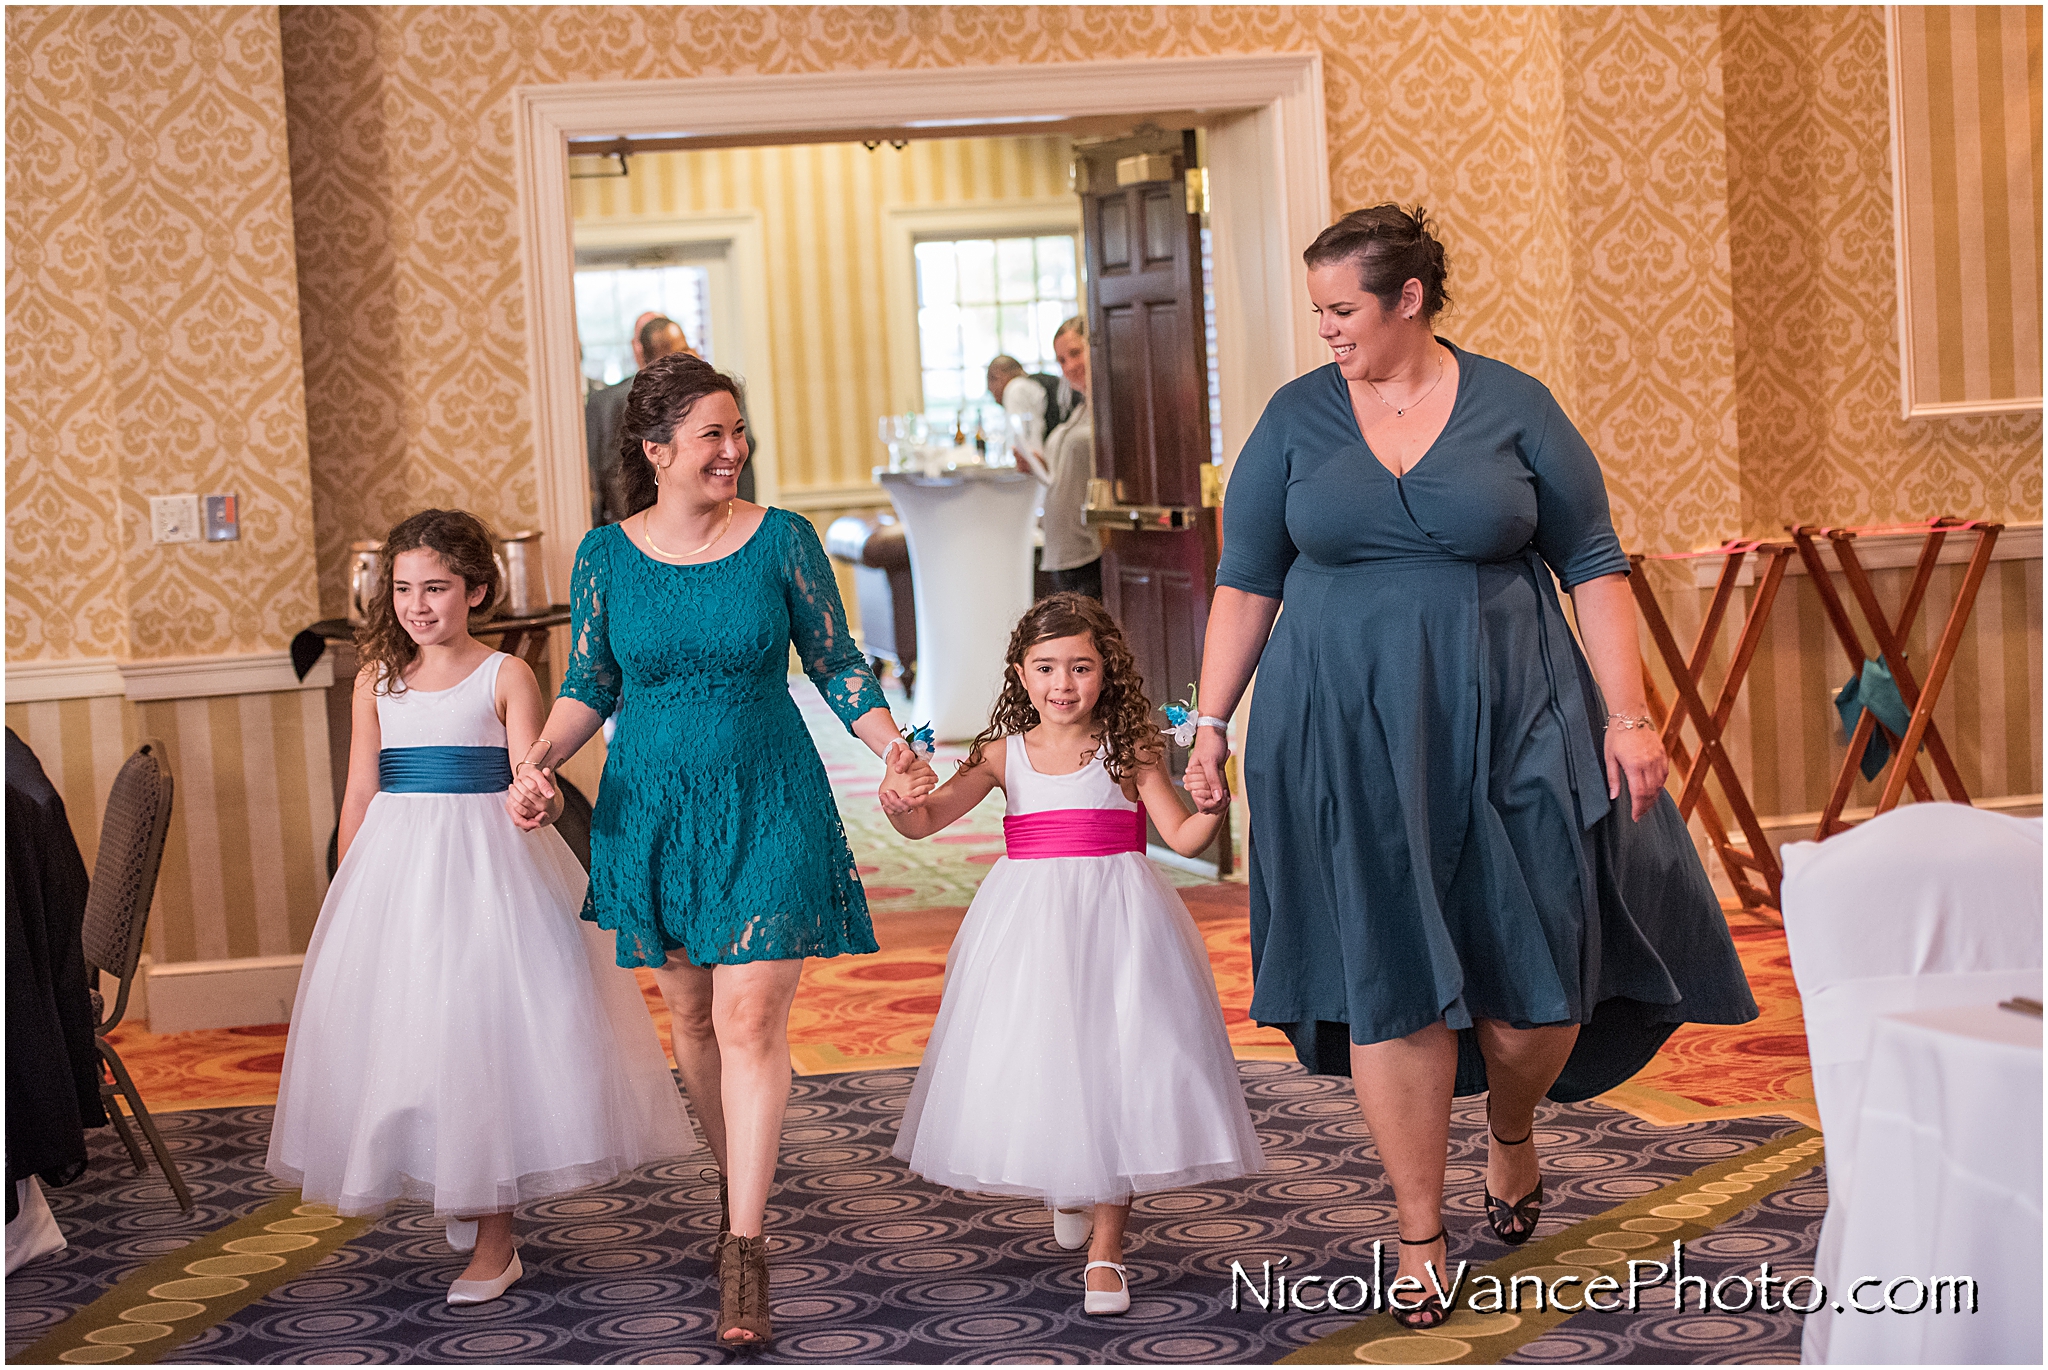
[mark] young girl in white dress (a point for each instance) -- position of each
(461, 1037)
(1079, 1055)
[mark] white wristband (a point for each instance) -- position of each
(1211, 721)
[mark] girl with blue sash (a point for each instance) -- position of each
(460, 1037)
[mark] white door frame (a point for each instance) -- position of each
(1270, 194)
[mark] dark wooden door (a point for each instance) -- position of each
(1150, 391)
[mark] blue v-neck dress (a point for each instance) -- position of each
(715, 831)
(1432, 838)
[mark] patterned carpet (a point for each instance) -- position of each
(872, 1264)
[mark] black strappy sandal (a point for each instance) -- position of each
(1432, 1311)
(1514, 1223)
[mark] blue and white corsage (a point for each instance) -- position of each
(921, 741)
(1184, 717)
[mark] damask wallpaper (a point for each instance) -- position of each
(1817, 360)
(153, 333)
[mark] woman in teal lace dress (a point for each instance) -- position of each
(717, 854)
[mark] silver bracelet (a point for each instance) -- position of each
(1211, 721)
(1622, 723)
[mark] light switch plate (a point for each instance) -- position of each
(174, 518)
(223, 523)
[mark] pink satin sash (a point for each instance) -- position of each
(1074, 832)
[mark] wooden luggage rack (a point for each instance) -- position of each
(1903, 770)
(1752, 867)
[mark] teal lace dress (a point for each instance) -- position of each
(715, 831)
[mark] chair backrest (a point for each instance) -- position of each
(124, 873)
(1928, 906)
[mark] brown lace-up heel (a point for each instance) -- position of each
(743, 1293)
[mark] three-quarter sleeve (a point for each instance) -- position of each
(1574, 528)
(592, 676)
(1257, 550)
(818, 629)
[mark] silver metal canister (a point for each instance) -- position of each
(526, 575)
(365, 580)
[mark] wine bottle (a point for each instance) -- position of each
(980, 436)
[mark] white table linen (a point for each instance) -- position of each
(1947, 1183)
(1928, 906)
(970, 535)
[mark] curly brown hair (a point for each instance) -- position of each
(463, 544)
(1122, 717)
(661, 398)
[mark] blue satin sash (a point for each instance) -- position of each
(443, 770)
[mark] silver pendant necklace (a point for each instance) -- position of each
(1418, 399)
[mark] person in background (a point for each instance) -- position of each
(1073, 554)
(1027, 399)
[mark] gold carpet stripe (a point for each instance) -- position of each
(174, 1298)
(1684, 1210)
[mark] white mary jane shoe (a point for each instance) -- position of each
(1071, 1227)
(483, 1291)
(462, 1233)
(1105, 1301)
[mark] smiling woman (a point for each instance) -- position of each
(717, 855)
(1465, 872)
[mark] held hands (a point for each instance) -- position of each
(906, 780)
(1637, 753)
(533, 800)
(1204, 780)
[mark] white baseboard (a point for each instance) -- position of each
(245, 992)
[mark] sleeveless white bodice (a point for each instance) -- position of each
(1026, 790)
(463, 715)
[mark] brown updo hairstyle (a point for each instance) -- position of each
(1121, 711)
(1390, 247)
(464, 546)
(662, 396)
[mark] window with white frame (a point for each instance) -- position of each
(610, 297)
(981, 297)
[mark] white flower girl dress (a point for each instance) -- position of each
(461, 1037)
(1079, 1055)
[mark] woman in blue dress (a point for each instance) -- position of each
(1465, 873)
(717, 853)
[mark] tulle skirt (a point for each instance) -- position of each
(461, 1037)
(1079, 1055)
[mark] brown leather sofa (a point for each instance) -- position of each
(875, 547)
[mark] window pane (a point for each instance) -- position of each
(979, 340)
(1019, 335)
(938, 336)
(1016, 277)
(1056, 268)
(977, 258)
(937, 280)
(981, 296)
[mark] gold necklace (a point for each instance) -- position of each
(647, 533)
(1418, 399)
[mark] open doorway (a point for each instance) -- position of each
(1264, 123)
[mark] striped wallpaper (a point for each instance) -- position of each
(1966, 103)
(1784, 736)
(245, 863)
(822, 207)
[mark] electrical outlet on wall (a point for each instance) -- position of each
(174, 518)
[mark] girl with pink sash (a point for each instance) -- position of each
(1079, 1056)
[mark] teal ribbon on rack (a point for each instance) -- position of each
(1874, 689)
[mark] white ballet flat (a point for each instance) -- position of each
(462, 1233)
(483, 1291)
(1104, 1301)
(1071, 1227)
